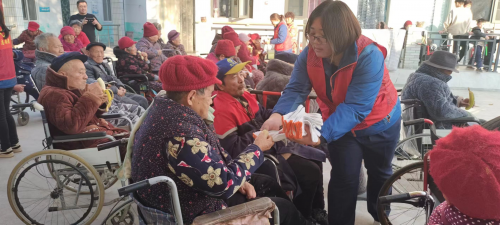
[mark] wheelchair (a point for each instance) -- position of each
(23, 75)
(134, 83)
(64, 186)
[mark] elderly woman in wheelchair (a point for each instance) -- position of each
(175, 141)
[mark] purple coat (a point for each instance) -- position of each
(144, 45)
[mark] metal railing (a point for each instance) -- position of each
(110, 34)
(265, 33)
(490, 51)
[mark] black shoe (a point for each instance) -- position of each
(310, 221)
(320, 216)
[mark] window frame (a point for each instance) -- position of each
(305, 10)
(25, 7)
(238, 11)
(109, 10)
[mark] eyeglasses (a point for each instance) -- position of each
(319, 39)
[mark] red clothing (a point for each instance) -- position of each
(293, 31)
(6, 58)
(82, 37)
(386, 98)
(244, 55)
(27, 39)
(446, 214)
(287, 44)
(75, 47)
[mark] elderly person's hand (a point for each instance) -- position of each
(264, 141)
(122, 91)
(19, 88)
(248, 190)
(96, 89)
(465, 103)
(145, 55)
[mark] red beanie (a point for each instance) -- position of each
(254, 37)
(226, 29)
(186, 73)
(225, 47)
(407, 23)
(67, 30)
(466, 167)
(149, 29)
(232, 36)
(33, 26)
(125, 42)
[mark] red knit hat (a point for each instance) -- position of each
(407, 23)
(225, 47)
(226, 29)
(33, 26)
(149, 29)
(254, 37)
(125, 42)
(186, 73)
(67, 30)
(232, 36)
(466, 167)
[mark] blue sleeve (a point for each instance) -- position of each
(361, 95)
(297, 89)
(282, 33)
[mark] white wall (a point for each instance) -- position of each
(432, 12)
(135, 17)
(50, 22)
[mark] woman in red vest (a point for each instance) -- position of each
(281, 40)
(359, 104)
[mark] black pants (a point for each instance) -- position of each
(310, 177)
(8, 131)
(266, 186)
(463, 46)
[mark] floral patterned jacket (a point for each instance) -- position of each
(174, 141)
(128, 64)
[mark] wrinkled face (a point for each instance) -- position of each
(289, 20)
(200, 103)
(55, 46)
(275, 22)
(318, 41)
(69, 38)
(77, 29)
(96, 53)
(153, 39)
(76, 73)
(177, 41)
(234, 84)
(132, 50)
(82, 8)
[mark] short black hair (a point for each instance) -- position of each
(481, 20)
(81, 1)
(176, 96)
(459, 1)
(468, 2)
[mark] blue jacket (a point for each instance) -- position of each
(360, 98)
(282, 33)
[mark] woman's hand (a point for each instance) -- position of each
(264, 141)
(273, 123)
(248, 190)
(306, 140)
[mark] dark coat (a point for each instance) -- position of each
(94, 71)
(131, 64)
(174, 141)
(176, 50)
(277, 77)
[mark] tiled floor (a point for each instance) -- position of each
(31, 136)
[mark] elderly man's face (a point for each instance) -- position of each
(76, 73)
(77, 29)
(234, 84)
(96, 53)
(55, 46)
(200, 103)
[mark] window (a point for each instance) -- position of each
(29, 9)
(298, 7)
(106, 6)
(233, 8)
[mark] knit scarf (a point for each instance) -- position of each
(68, 47)
(433, 72)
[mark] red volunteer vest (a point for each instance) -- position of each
(288, 41)
(386, 98)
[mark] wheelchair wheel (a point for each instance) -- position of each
(37, 195)
(407, 179)
(125, 214)
(23, 118)
(411, 150)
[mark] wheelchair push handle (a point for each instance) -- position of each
(133, 187)
(417, 121)
(401, 197)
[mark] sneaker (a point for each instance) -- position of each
(320, 216)
(17, 148)
(470, 67)
(480, 69)
(7, 154)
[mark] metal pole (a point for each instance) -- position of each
(109, 38)
(497, 55)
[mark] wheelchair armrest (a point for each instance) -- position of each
(258, 206)
(83, 136)
(110, 116)
(134, 76)
(460, 120)
(23, 105)
(272, 158)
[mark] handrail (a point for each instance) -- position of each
(110, 27)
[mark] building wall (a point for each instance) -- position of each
(13, 15)
(135, 17)
(50, 22)
(432, 12)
